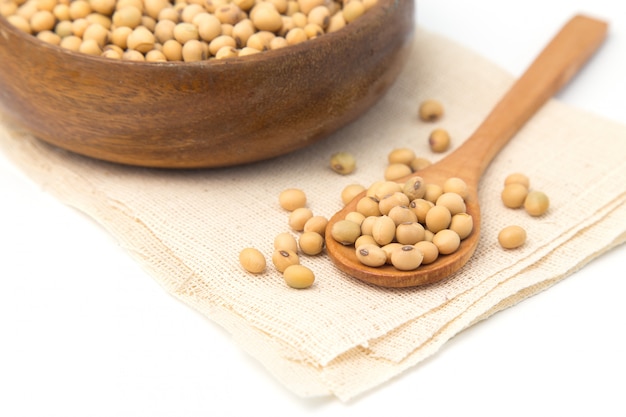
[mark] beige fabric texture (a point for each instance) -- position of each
(343, 337)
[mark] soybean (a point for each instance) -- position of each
(517, 178)
(402, 214)
(298, 276)
(410, 233)
(439, 140)
(513, 195)
(430, 110)
(285, 241)
(401, 156)
(384, 188)
(394, 200)
(383, 230)
(364, 240)
(368, 206)
(316, 224)
(371, 255)
(292, 198)
(355, 217)
(429, 250)
(438, 218)
(414, 188)
(350, 192)
(353, 10)
(396, 171)
(193, 51)
(512, 237)
(311, 243)
(420, 207)
(42, 20)
(407, 258)
(419, 163)
(266, 18)
(368, 225)
(447, 241)
(433, 192)
(536, 203)
(283, 258)
(252, 260)
(456, 185)
(336, 22)
(452, 201)
(391, 248)
(141, 40)
(345, 232)
(343, 163)
(299, 217)
(462, 224)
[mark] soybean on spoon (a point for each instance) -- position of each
(560, 60)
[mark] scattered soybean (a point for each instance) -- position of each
(252, 260)
(536, 203)
(512, 237)
(430, 110)
(292, 198)
(439, 140)
(343, 163)
(298, 276)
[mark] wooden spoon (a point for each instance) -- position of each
(551, 70)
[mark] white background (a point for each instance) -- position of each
(75, 342)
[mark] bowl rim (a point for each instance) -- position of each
(371, 15)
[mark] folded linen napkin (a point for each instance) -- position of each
(343, 337)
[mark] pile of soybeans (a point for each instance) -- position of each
(179, 30)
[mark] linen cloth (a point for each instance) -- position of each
(343, 337)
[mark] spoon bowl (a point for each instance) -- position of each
(568, 51)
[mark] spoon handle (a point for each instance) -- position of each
(552, 69)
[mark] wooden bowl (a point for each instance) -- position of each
(206, 114)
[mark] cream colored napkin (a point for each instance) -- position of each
(343, 337)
